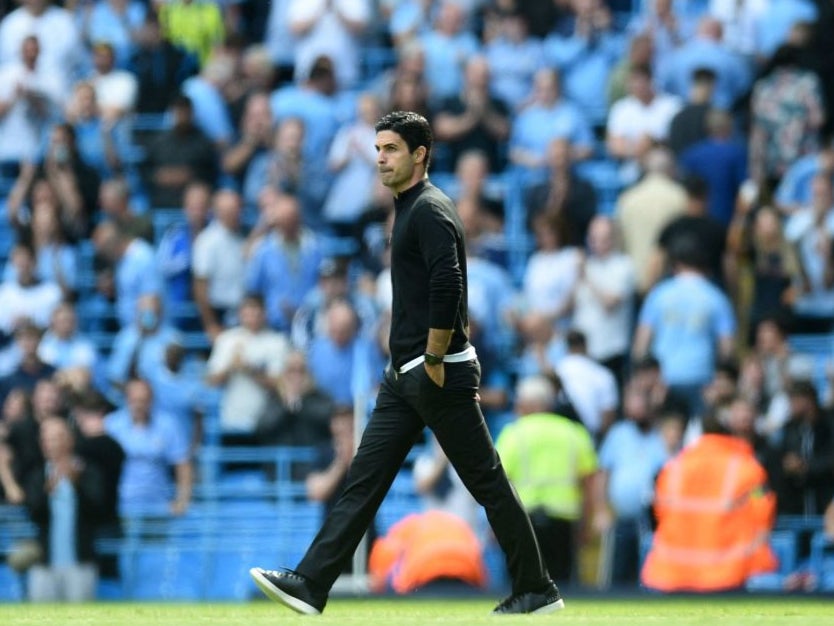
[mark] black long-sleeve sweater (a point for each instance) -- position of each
(428, 272)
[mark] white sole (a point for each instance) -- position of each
(550, 608)
(274, 593)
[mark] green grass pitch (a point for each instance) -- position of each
(408, 612)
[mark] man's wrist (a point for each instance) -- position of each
(433, 358)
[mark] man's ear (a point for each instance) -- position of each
(419, 154)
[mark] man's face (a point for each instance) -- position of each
(139, 400)
(393, 160)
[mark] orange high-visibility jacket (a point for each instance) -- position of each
(714, 519)
(424, 547)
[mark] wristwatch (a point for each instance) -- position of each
(432, 359)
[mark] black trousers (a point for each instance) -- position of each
(405, 405)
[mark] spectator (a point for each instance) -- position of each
(196, 26)
(409, 92)
(514, 57)
(708, 233)
(311, 101)
(280, 41)
(17, 411)
(246, 361)
(283, 266)
(55, 29)
(93, 445)
(24, 296)
(794, 190)
(564, 196)
(716, 469)
(721, 161)
(179, 393)
(179, 156)
(114, 202)
(446, 47)
(103, 141)
(255, 74)
(63, 347)
(331, 29)
(118, 23)
(219, 265)
(30, 368)
(116, 89)
(327, 480)
(689, 125)
(638, 121)
(805, 455)
(64, 497)
(175, 252)
(541, 344)
(133, 260)
(339, 354)
(742, 418)
(786, 115)
(707, 50)
(549, 116)
(774, 25)
(139, 347)
(154, 445)
(591, 388)
(254, 137)
(283, 168)
(631, 455)
(645, 209)
(481, 207)
(809, 231)
(473, 119)
(739, 21)
(667, 25)
(551, 274)
(551, 462)
(584, 54)
(663, 400)
(206, 92)
(604, 304)
(687, 323)
(310, 320)
(640, 52)
(352, 161)
(31, 92)
(159, 65)
(56, 261)
(298, 412)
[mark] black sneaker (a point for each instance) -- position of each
(546, 601)
(291, 589)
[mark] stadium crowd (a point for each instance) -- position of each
(194, 239)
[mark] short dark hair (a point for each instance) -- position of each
(704, 75)
(252, 298)
(576, 340)
(412, 127)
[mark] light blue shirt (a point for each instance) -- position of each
(211, 115)
(283, 275)
(732, 73)
(151, 353)
(632, 459)
(512, 67)
(773, 27)
(77, 351)
(585, 66)
(795, 187)
(687, 315)
(63, 517)
(105, 25)
(444, 60)
(334, 367)
(490, 294)
(150, 450)
(178, 394)
(536, 126)
(317, 111)
(136, 276)
(90, 141)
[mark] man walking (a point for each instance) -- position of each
(432, 381)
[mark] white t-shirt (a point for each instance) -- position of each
(21, 129)
(608, 332)
(116, 90)
(218, 258)
(36, 303)
(632, 119)
(550, 279)
(243, 398)
(591, 388)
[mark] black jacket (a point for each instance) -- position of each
(428, 272)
